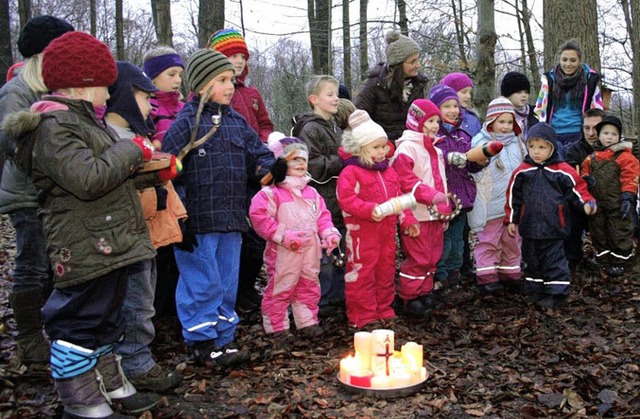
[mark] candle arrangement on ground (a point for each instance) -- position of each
(378, 369)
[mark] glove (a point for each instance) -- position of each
(628, 199)
(279, 170)
(170, 172)
(295, 240)
(590, 181)
(145, 147)
(441, 202)
(330, 242)
(189, 241)
(590, 207)
(439, 198)
(457, 159)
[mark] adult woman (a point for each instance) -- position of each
(393, 85)
(567, 90)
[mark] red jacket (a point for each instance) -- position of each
(248, 102)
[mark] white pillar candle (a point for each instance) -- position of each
(401, 378)
(382, 342)
(347, 365)
(362, 344)
(380, 381)
(412, 354)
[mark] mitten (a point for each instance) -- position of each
(457, 159)
(626, 205)
(170, 172)
(330, 242)
(279, 170)
(295, 240)
(442, 204)
(590, 181)
(145, 147)
(439, 198)
(590, 207)
(189, 241)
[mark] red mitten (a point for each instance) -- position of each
(170, 172)
(145, 147)
(295, 240)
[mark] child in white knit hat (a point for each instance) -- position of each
(366, 181)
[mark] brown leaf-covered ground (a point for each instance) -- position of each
(494, 357)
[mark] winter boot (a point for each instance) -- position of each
(120, 390)
(31, 345)
(84, 396)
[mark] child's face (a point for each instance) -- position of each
(222, 90)
(170, 79)
(377, 150)
(297, 166)
(503, 123)
(539, 150)
(431, 126)
(142, 99)
(609, 135)
(326, 102)
(239, 62)
(450, 110)
(464, 96)
(411, 66)
(589, 128)
(519, 99)
(569, 62)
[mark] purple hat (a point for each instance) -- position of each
(457, 81)
(441, 93)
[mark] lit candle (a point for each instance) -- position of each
(382, 349)
(361, 378)
(347, 365)
(402, 377)
(362, 344)
(412, 354)
(380, 381)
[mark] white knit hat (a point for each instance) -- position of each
(361, 132)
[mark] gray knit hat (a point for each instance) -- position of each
(203, 65)
(399, 47)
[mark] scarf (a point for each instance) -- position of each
(573, 85)
(295, 184)
(379, 166)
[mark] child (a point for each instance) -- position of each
(516, 87)
(163, 65)
(497, 255)
(247, 101)
(463, 85)
(345, 109)
(93, 222)
(538, 197)
(454, 144)
(214, 180)
(365, 182)
(291, 215)
(127, 114)
(321, 134)
(615, 171)
(421, 171)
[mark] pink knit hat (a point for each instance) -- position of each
(457, 81)
(419, 111)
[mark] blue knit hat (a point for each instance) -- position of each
(543, 131)
(441, 93)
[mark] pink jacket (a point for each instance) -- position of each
(165, 108)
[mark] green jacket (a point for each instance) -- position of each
(93, 221)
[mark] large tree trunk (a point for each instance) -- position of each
(210, 19)
(161, 11)
(364, 43)
(6, 58)
(632, 20)
(119, 31)
(346, 45)
(24, 11)
(403, 22)
(319, 14)
(531, 50)
(568, 19)
(486, 69)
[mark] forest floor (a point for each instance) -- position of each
(494, 357)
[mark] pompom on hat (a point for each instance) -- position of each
(228, 42)
(399, 47)
(203, 65)
(457, 81)
(282, 145)
(419, 112)
(38, 32)
(361, 132)
(514, 82)
(497, 107)
(441, 93)
(77, 59)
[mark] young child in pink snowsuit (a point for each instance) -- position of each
(421, 170)
(163, 65)
(292, 217)
(366, 181)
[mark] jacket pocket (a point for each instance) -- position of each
(109, 233)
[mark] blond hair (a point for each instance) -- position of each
(345, 109)
(158, 51)
(31, 74)
(316, 84)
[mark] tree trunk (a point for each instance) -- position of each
(210, 19)
(486, 69)
(93, 19)
(119, 31)
(403, 22)
(531, 50)
(24, 11)
(319, 14)
(346, 45)
(364, 43)
(562, 21)
(161, 11)
(457, 19)
(632, 20)
(6, 58)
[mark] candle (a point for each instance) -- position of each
(402, 377)
(380, 381)
(412, 354)
(347, 365)
(361, 378)
(362, 344)
(382, 349)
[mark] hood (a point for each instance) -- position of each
(621, 146)
(300, 120)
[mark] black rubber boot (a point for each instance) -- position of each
(31, 345)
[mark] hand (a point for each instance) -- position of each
(439, 198)
(457, 159)
(375, 217)
(295, 240)
(590, 207)
(170, 172)
(413, 230)
(189, 240)
(511, 229)
(627, 204)
(590, 181)
(330, 242)
(279, 170)
(145, 147)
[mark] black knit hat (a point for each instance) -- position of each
(39, 32)
(513, 82)
(203, 65)
(610, 120)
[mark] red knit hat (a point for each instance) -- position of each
(77, 59)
